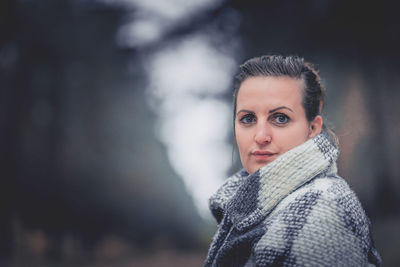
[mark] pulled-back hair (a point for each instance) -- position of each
(287, 66)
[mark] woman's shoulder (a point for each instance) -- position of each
(322, 221)
(329, 196)
(327, 205)
(338, 202)
(335, 192)
(328, 187)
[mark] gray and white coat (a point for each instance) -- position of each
(295, 211)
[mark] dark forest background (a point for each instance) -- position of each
(72, 103)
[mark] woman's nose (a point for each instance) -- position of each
(263, 134)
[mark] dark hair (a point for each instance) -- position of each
(287, 66)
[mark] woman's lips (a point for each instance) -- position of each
(263, 155)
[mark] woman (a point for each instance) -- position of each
(288, 206)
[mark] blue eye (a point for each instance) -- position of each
(248, 118)
(281, 118)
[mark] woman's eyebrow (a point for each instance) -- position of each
(245, 110)
(278, 108)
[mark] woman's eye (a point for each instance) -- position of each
(281, 119)
(248, 118)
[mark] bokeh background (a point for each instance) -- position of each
(115, 119)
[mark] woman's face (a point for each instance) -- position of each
(270, 120)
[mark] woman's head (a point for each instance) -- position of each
(277, 106)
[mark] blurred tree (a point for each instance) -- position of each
(78, 149)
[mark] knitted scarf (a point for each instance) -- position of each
(294, 211)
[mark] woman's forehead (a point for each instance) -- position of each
(266, 91)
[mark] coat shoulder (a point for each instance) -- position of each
(320, 222)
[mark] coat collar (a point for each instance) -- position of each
(250, 198)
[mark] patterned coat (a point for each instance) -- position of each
(295, 211)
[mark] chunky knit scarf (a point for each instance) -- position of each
(295, 211)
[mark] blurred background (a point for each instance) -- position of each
(116, 126)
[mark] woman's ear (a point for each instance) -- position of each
(315, 126)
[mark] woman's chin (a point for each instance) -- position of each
(258, 165)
